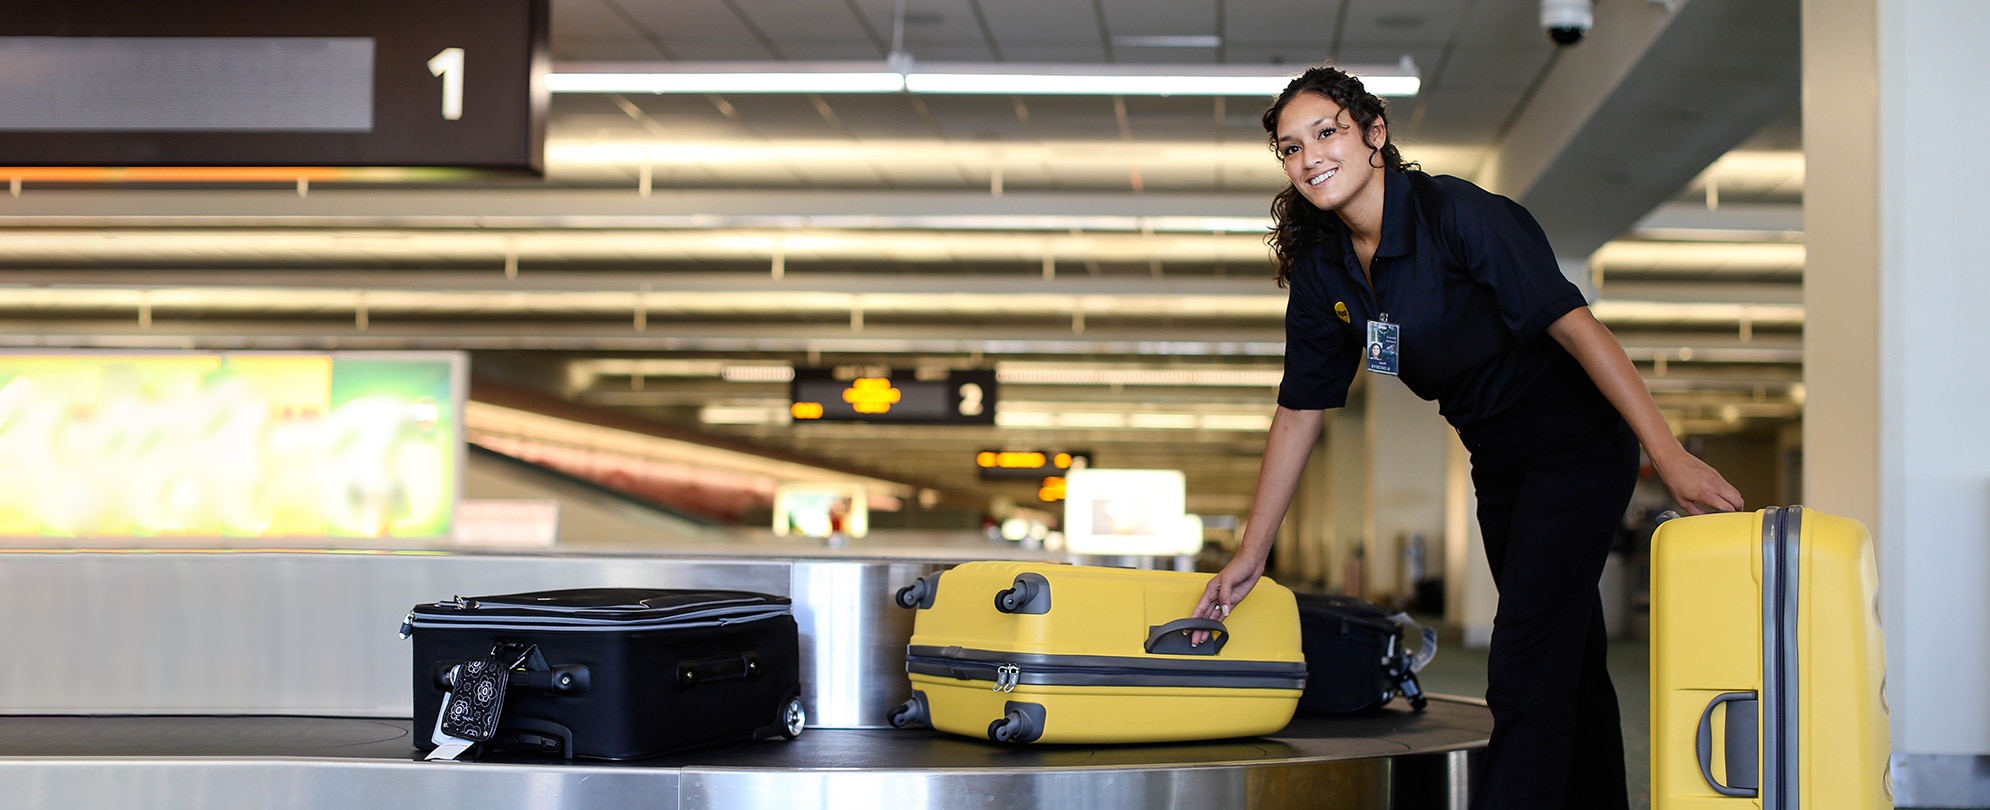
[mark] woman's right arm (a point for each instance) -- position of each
(1287, 446)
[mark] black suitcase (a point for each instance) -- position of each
(605, 673)
(1355, 658)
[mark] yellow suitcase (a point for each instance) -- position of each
(1021, 652)
(1767, 664)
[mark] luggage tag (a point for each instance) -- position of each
(1385, 342)
(474, 704)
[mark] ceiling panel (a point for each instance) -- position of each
(697, 29)
(1023, 26)
(820, 24)
(1452, 117)
(609, 48)
(1489, 22)
(1399, 23)
(1291, 26)
(586, 18)
(1148, 18)
(935, 30)
(1505, 69)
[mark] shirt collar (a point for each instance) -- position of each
(1396, 214)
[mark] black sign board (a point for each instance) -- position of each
(141, 83)
(1028, 465)
(895, 396)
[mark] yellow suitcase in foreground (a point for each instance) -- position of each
(1767, 664)
(1021, 652)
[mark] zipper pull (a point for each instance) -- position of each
(1008, 677)
(408, 625)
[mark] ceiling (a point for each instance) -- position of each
(1103, 254)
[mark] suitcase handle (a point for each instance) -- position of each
(564, 680)
(719, 668)
(1172, 638)
(1740, 738)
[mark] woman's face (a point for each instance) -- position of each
(1323, 152)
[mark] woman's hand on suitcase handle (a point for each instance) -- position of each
(1224, 591)
(1697, 486)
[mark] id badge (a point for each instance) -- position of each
(1384, 352)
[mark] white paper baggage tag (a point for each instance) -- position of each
(1384, 347)
(447, 748)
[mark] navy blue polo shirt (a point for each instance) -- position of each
(1469, 277)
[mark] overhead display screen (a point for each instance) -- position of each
(120, 83)
(900, 396)
(1032, 465)
(265, 445)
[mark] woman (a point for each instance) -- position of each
(1456, 291)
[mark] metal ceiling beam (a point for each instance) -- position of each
(525, 208)
(1630, 116)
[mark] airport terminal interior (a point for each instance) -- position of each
(332, 313)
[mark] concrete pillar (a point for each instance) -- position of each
(1407, 459)
(1306, 538)
(1895, 369)
(1470, 597)
(1347, 456)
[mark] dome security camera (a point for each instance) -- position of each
(1567, 21)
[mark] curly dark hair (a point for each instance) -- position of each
(1296, 224)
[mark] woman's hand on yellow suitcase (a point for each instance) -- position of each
(1224, 591)
(1698, 487)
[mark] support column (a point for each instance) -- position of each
(1306, 537)
(1347, 456)
(1895, 372)
(1407, 458)
(1470, 596)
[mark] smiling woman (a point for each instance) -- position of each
(1456, 292)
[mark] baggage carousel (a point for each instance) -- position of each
(1393, 758)
(273, 678)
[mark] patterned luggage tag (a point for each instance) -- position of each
(477, 699)
(474, 704)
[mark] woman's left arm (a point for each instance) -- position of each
(1696, 486)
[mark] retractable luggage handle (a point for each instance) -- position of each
(1741, 739)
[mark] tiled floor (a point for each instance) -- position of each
(1461, 671)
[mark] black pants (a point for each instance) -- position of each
(1553, 479)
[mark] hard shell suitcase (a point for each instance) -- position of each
(1356, 659)
(1022, 652)
(1767, 664)
(607, 673)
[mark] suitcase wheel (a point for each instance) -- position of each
(793, 718)
(919, 594)
(910, 713)
(1029, 594)
(1022, 723)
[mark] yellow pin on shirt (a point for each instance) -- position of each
(1340, 308)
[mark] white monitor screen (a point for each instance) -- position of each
(1128, 513)
(821, 510)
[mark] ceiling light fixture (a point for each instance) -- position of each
(1167, 42)
(940, 78)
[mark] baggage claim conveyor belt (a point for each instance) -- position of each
(96, 718)
(1393, 758)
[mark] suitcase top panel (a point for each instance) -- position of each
(606, 606)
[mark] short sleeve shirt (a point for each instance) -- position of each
(1466, 274)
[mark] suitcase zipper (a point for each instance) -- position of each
(1005, 677)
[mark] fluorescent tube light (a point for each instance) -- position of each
(726, 82)
(1261, 81)
(1167, 42)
